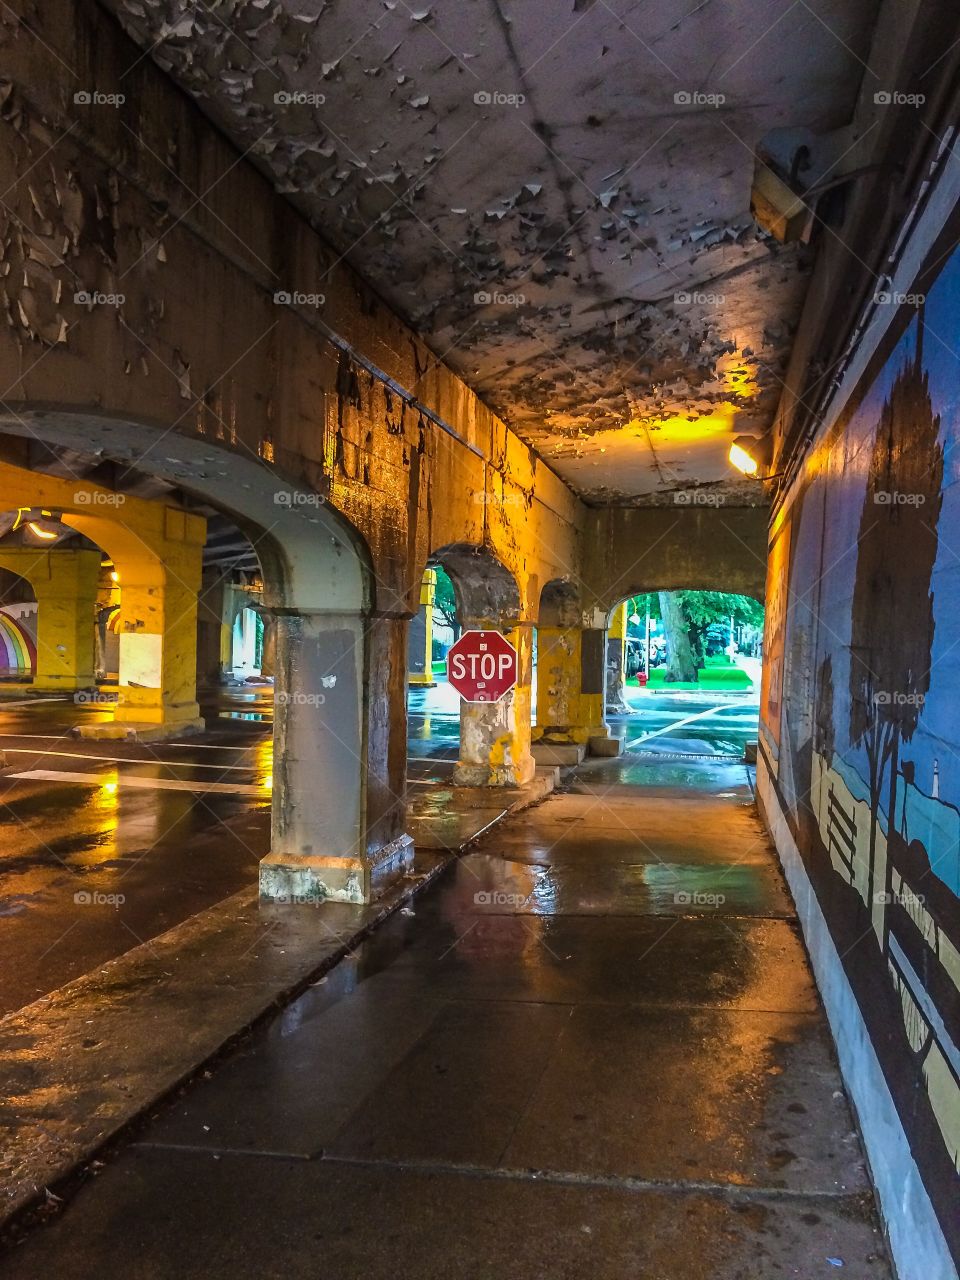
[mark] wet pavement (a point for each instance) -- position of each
(106, 845)
(593, 1047)
(658, 723)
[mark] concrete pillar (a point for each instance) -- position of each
(65, 586)
(616, 679)
(159, 587)
(421, 635)
(570, 684)
(268, 662)
(213, 629)
(495, 736)
(339, 758)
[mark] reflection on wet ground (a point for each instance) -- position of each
(105, 845)
(592, 1047)
(658, 723)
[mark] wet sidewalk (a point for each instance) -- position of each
(594, 1050)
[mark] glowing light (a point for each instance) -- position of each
(114, 576)
(37, 532)
(743, 461)
(110, 788)
(268, 782)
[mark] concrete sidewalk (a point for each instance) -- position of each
(80, 1064)
(595, 1049)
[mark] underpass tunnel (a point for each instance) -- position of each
(479, 615)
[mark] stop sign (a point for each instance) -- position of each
(482, 666)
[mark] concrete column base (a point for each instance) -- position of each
(309, 878)
(605, 746)
(62, 684)
(514, 774)
(130, 731)
(562, 753)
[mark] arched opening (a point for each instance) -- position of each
(683, 672)
(464, 588)
(18, 629)
(316, 784)
(433, 705)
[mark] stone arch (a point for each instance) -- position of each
(485, 589)
(312, 557)
(336, 660)
(560, 604)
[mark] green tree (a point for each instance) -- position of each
(445, 602)
(687, 616)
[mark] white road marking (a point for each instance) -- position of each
(154, 762)
(669, 728)
(144, 784)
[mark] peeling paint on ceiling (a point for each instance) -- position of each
(556, 195)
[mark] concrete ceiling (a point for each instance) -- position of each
(542, 154)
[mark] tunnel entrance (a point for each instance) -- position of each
(683, 672)
(433, 706)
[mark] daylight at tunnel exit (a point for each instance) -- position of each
(479, 639)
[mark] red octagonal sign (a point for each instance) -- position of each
(482, 666)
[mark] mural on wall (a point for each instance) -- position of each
(864, 709)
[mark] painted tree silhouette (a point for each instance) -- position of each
(824, 736)
(893, 622)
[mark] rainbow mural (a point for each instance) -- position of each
(18, 652)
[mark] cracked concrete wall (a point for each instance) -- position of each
(636, 549)
(145, 271)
